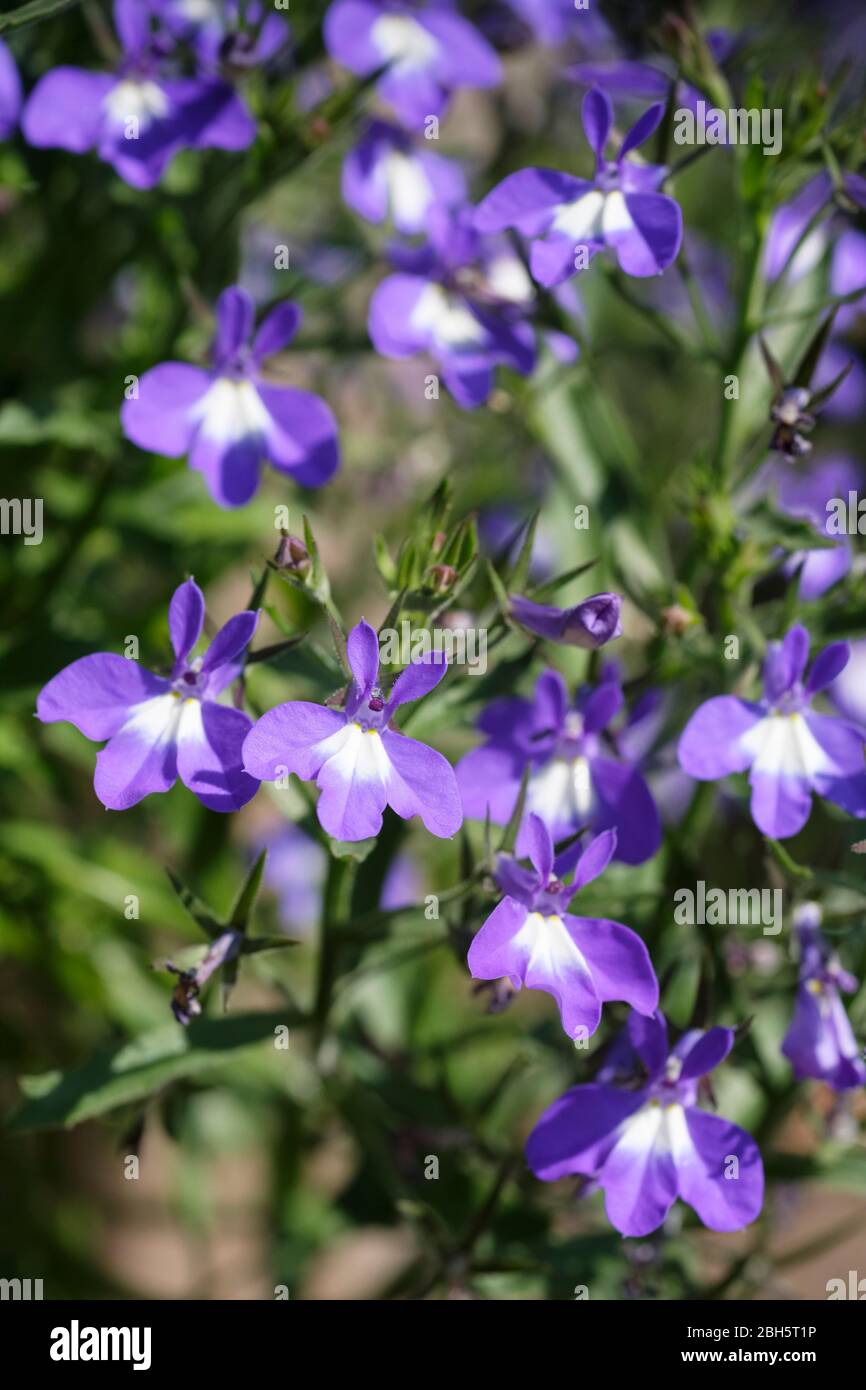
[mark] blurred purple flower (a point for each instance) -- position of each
(10, 93)
(388, 175)
(428, 52)
(820, 1042)
(576, 780)
(140, 116)
(464, 299)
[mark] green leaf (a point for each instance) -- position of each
(506, 844)
(520, 573)
(198, 911)
(246, 899)
(140, 1068)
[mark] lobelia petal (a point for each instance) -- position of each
(301, 435)
(828, 664)
(353, 779)
(465, 57)
(577, 1132)
(232, 638)
(422, 783)
(65, 109)
(230, 468)
(652, 240)
(540, 848)
(649, 1038)
(639, 1176)
(592, 861)
(780, 805)
(527, 200)
(706, 1053)
(489, 778)
(414, 96)
(624, 802)
(603, 704)
(288, 738)
(544, 955)
(469, 385)
(642, 128)
(185, 617)
(141, 758)
(97, 693)
(348, 29)
(618, 960)
(362, 652)
(492, 954)
(235, 313)
(711, 745)
(515, 881)
(552, 260)
(277, 330)
(596, 115)
(162, 417)
(391, 319)
(703, 1147)
(843, 778)
(10, 93)
(209, 758)
(416, 681)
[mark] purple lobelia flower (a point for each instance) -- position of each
(576, 780)
(589, 624)
(360, 763)
(820, 1042)
(387, 175)
(140, 116)
(462, 298)
(230, 420)
(790, 750)
(10, 93)
(234, 33)
(811, 496)
(161, 728)
(620, 208)
(554, 21)
(427, 51)
(533, 939)
(647, 1142)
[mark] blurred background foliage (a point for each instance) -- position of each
(309, 1167)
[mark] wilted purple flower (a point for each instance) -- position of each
(620, 208)
(576, 780)
(10, 93)
(464, 299)
(533, 939)
(140, 116)
(428, 51)
(388, 175)
(184, 1000)
(158, 728)
(360, 763)
(791, 751)
(229, 419)
(589, 624)
(819, 1042)
(646, 1146)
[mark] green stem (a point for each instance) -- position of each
(335, 899)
